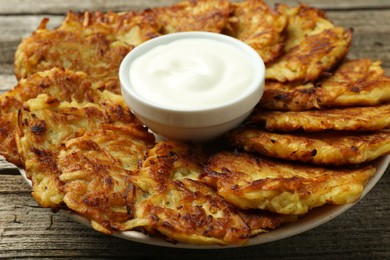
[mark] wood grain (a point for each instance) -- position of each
(28, 231)
(4, 165)
(19, 7)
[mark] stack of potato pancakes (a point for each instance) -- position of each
(309, 142)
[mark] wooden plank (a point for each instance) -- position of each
(7, 82)
(60, 6)
(374, 46)
(362, 20)
(6, 166)
(7, 52)
(14, 28)
(14, 184)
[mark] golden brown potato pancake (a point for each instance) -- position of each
(342, 119)
(258, 25)
(355, 83)
(45, 123)
(96, 171)
(133, 28)
(303, 21)
(329, 148)
(313, 46)
(95, 43)
(94, 54)
(8, 121)
(198, 15)
(61, 84)
(286, 188)
(171, 200)
(184, 209)
(190, 211)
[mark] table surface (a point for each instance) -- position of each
(28, 231)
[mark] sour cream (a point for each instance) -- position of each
(192, 73)
(192, 86)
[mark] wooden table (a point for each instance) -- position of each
(28, 231)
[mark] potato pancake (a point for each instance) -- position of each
(133, 28)
(286, 188)
(185, 210)
(342, 119)
(313, 46)
(329, 148)
(91, 42)
(61, 84)
(96, 171)
(8, 122)
(45, 122)
(355, 83)
(189, 211)
(303, 21)
(46, 49)
(261, 27)
(198, 15)
(171, 200)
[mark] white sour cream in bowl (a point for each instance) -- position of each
(192, 86)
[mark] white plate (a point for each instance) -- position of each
(314, 218)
